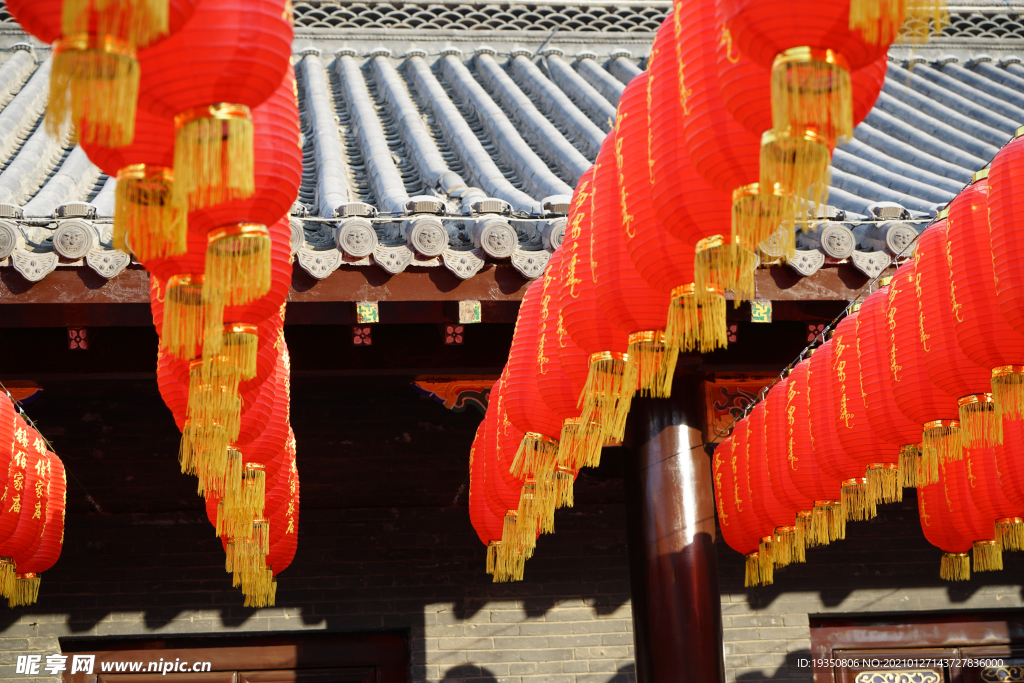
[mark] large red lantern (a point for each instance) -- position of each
(978, 526)
(46, 550)
(989, 497)
(486, 524)
(1004, 199)
(1010, 466)
(916, 395)
(938, 527)
(776, 521)
(727, 471)
(981, 330)
(755, 545)
(26, 497)
(208, 77)
(777, 451)
(8, 423)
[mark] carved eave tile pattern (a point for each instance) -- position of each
(461, 150)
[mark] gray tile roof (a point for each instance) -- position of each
(459, 142)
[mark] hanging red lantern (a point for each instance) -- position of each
(947, 366)
(50, 541)
(776, 521)
(1009, 458)
(627, 300)
(8, 422)
(26, 497)
(610, 385)
(756, 547)
(979, 527)
(940, 530)
(832, 458)
(889, 424)
(777, 450)
(1004, 193)
(981, 330)
(181, 293)
(727, 473)
(208, 77)
(986, 492)
(486, 525)
(917, 397)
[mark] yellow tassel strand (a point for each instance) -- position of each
(580, 443)
(7, 576)
(213, 401)
(811, 88)
(910, 464)
(654, 363)
(784, 547)
(227, 486)
(148, 214)
(988, 556)
(765, 553)
(545, 500)
(858, 506)
(1008, 391)
(233, 351)
(1010, 533)
(797, 161)
(697, 324)
(510, 559)
(229, 556)
(213, 154)
(756, 572)
(816, 529)
(723, 263)
(759, 211)
(879, 22)
(564, 478)
(981, 425)
(248, 501)
(139, 22)
(955, 567)
(259, 588)
(183, 316)
(237, 263)
(492, 556)
(883, 484)
(94, 86)
(537, 453)
(940, 442)
(608, 393)
(924, 19)
(26, 590)
(528, 516)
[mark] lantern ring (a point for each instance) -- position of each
(767, 539)
(258, 521)
(536, 436)
(805, 54)
(796, 133)
(185, 279)
(240, 328)
(27, 575)
(856, 481)
(805, 513)
(255, 467)
(6, 560)
(607, 355)
(222, 111)
(975, 398)
(823, 503)
(691, 289)
(936, 424)
(647, 337)
(146, 172)
(980, 175)
(1004, 370)
(237, 230)
(883, 466)
(512, 513)
(80, 42)
(494, 544)
(753, 190)
(1010, 520)
(562, 469)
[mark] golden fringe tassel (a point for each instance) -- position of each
(528, 516)
(940, 442)
(229, 556)
(259, 588)
(786, 548)
(94, 87)
(858, 506)
(884, 484)
(545, 500)
(213, 154)
(924, 19)
(230, 484)
(877, 21)
(955, 567)
(139, 22)
(836, 520)
(510, 559)
(757, 215)
(654, 363)
(981, 425)
(186, 450)
(797, 161)
(26, 590)
(816, 529)
(757, 573)
(246, 502)
(147, 213)
(1008, 391)
(910, 463)
(811, 88)
(237, 264)
(723, 263)
(765, 555)
(563, 480)
(182, 333)
(1010, 533)
(492, 556)
(988, 556)
(212, 402)
(696, 324)
(238, 344)
(537, 453)
(608, 393)
(580, 443)
(7, 576)
(206, 449)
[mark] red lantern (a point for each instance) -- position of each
(1010, 467)
(978, 526)
(777, 451)
(626, 299)
(26, 496)
(8, 422)
(181, 293)
(727, 471)
(774, 518)
(986, 491)
(609, 389)
(981, 330)
(832, 458)
(948, 367)
(889, 424)
(208, 77)
(1005, 190)
(46, 550)
(916, 395)
(486, 525)
(938, 527)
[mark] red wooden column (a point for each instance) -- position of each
(677, 613)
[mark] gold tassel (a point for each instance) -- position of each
(955, 567)
(213, 402)
(988, 556)
(537, 453)
(7, 576)
(924, 18)
(787, 549)
(797, 161)
(259, 588)
(213, 154)
(759, 211)
(186, 450)
(148, 214)
(229, 485)
(836, 520)
(237, 265)
(858, 506)
(765, 553)
(1008, 391)
(492, 555)
(654, 363)
(940, 442)
(608, 393)
(981, 425)
(877, 21)
(510, 559)
(528, 516)
(94, 86)
(182, 331)
(139, 22)
(757, 572)
(248, 500)
(1010, 533)
(697, 323)
(817, 531)
(723, 263)
(229, 556)
(811, 88)
(232, 351)
(883, 483)
(206, 449)
(910, 463)
(26, 590)
(580, 443)
(545, 501)
(563, 479)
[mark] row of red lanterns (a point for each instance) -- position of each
(191, 105)
(32, 506)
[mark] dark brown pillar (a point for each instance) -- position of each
(677, 613)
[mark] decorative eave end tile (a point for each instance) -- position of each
(319, 264)
(34, 266)
(107, 262)
(392, 259)
(871, 263)
(465, 264)
(530, 263)
(807, 262)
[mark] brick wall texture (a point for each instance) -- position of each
(386, 544)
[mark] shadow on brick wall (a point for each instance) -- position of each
(790, 671)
